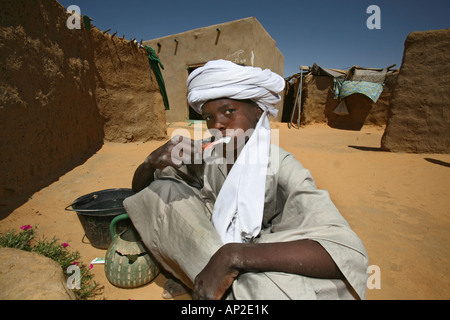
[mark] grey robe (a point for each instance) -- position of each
(173, 216)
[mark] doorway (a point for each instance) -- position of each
(192, 114)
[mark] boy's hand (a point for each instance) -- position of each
(217, 276)
(177, 151)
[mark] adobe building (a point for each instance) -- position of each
(75, 101)
(243, 41)
(419, 114)
(318, 102)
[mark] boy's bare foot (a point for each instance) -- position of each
(173, 288)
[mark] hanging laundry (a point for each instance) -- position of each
(341, 109)
(343, 88)
(155, 63)
(87, 22)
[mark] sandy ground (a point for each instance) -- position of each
(397, 203)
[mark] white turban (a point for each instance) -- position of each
(224, 79)
(238, 210)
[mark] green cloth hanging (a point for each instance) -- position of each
(87, 22)
(154, 64)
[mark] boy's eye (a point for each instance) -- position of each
(207, 118)
(229, 111)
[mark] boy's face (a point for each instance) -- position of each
(228, 114)
(233, 118)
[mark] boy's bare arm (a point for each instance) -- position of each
(143, 176)
(304, 257)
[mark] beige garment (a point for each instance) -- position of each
(173, 216)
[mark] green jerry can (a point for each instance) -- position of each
(128, 264)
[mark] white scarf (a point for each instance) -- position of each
(238, 210)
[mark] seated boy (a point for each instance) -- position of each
(247, 221)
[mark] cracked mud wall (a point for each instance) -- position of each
(62, 93)
(419, 116)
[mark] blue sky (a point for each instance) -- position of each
(331, 33)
